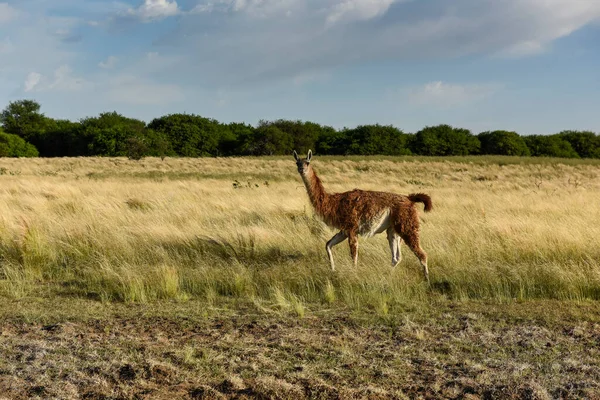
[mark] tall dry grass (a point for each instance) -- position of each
(242, 228)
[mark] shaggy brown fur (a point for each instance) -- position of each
(362, 212)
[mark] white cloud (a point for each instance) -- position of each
(443, 94)
(540, 22)
(224, 38)
(37, 45)
(152, 10)
(7, 13)
(65, 81)
(252, 8)
(264, 8)
(36, 51)
(202, 8)
(332, 10)
(110, 62)
(357, 10)
(32, 80)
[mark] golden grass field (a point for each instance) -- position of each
(138, 231)
(221, 237)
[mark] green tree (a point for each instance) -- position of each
(24, 119)
(157, 144)
(15, 146)
(444, 140)
(190, 135)
(228, 140)
(585, 143)
(332, 141)
(267, 139)
(550, 146)
(136, 147)
(244, 136)
(304, 134)
(376, 139)
(503, 143)
(61, 139)
(109, 133)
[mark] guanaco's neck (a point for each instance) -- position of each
(316, 192)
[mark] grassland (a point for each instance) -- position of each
(208, 278)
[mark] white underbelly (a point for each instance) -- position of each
(376, 225)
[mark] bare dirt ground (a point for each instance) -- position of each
(89, 350)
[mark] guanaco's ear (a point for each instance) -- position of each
(309, 156)
(295, 155)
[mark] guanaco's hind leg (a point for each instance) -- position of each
(412, 241)
(394, 240)
(353, 241)
(338, 238)
(399, 253)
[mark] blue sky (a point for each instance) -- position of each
(527, 65)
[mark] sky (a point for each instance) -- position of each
(532, 66)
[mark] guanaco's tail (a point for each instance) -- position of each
(421, 198)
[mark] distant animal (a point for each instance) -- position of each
(366, 213)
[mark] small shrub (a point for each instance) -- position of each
(329, 292)
(136, 148)
(15, 146)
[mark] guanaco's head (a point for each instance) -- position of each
(303, 164)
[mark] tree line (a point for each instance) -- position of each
(26, 132)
